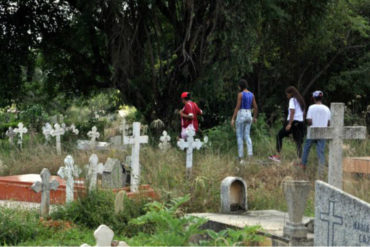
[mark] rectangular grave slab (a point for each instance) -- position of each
(357, 165)
(340, 218)
(113, 174)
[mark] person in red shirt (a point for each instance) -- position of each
(189, 115)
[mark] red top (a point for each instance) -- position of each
(191, 107)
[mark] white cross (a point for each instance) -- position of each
(189, 145)
(73, 129)
(336, 134)
(45, 186)
(135, 140)
(164, 141)
(46, 131)
(104, 237)
(10, 133)
(57, 132)
(93, 134)
(20, 130)
(67, 172)
(93, 170)
(332, 220)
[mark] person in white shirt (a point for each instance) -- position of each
(318, 115)
(294, 124)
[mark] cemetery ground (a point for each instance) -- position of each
(165, 172)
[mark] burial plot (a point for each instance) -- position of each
(164, 141)
(189, 144)
(93, 170)
(357, 165)
(93, 134)
(340, 218)
(337, 133)
(68, 172)
(112, 174)
(10, 134)
(20, 130)
(233, 195)
(58, 132)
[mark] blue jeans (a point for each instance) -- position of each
(320, 149)
(243, 129)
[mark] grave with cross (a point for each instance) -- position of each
(46, 131)
(135, 140)
(337, 132)
(58, 132)
(104, 237)
(190, 144)
(45, 186)
(10, 134)
(93, 134)
(73, 129)
(94, 168)
(68, 172)
(20, 130)
(164, 141)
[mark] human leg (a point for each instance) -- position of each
(240, 134)
(306, 151)
(247, 130)
(298, 136)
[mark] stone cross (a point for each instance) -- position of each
(10, 133)
(93, 134)
(104, 237)
(135, 140)
(73, 129)
(164, 141)
(45, 186)
(189, 145)
(337, 132)
(67, 172)
(46, 131)
(57, 132)
(20, 130)
(93, 170)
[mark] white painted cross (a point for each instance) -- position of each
(93, 170)
(189, 145)
(45, 186)
(164, 141)
(93, 134)
(73, 129)
(46, 131)
(337, 132)
(135, 140)
(67, 172)
(20, 130)
(10, 133)
(57, 132)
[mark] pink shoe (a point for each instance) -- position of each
(275, 158)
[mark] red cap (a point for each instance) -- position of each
(184, 95)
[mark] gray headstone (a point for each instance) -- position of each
(340, 218)
(233, 195)
(112, 174)
(104, 237)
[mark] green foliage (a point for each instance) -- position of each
(34, 116)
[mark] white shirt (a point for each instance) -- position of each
(319, 114)
(298, 114)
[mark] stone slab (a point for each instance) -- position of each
(340, 218)
(357, 165)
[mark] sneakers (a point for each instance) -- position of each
(275, 158)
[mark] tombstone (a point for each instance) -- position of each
(340, 218)
(57, 132)
(112, 175)
(233, 195)
(20, 130)
(73, 129)
(116, 141)
(337, 132)
(189, 145)
(45, 186)
(135, 140)
(10, 134)
(67, 172)
(127, 171)
(93, 134)
(104, 237)
(93, 170)
(46, 131)
(64, 126)
(164, 141)
(119, 202)
(296, 194)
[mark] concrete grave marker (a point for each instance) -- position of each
(340, 218)
(46, 131)
(93, 134)
(233, 195)
(20, 130)
(73, 129)
(104, 237)
(10, 134)
(93, 170)
(119, 202)
(112, 174)
(57, 132)
(164, 141)
(68, 172)
(45, 186)
(336, 134)
(189, 145)
(135, 140)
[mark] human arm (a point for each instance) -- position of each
(255, 110)
(237, 107)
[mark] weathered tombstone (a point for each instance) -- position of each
(45, 186)
(104, 237)
(93, 134)
(189, 145)
(112, 175)
(93, 170)
(73, 129)
(57, 132)
(164, 141)
(119, 202)
(135, 140)
(68, 172)
(233, 195)
(337, 133)
(127, 171)
(20, 130)
(10, 134)
(46, 131)
(340, 218)
(296, 194)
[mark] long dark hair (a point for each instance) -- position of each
(294, 92)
